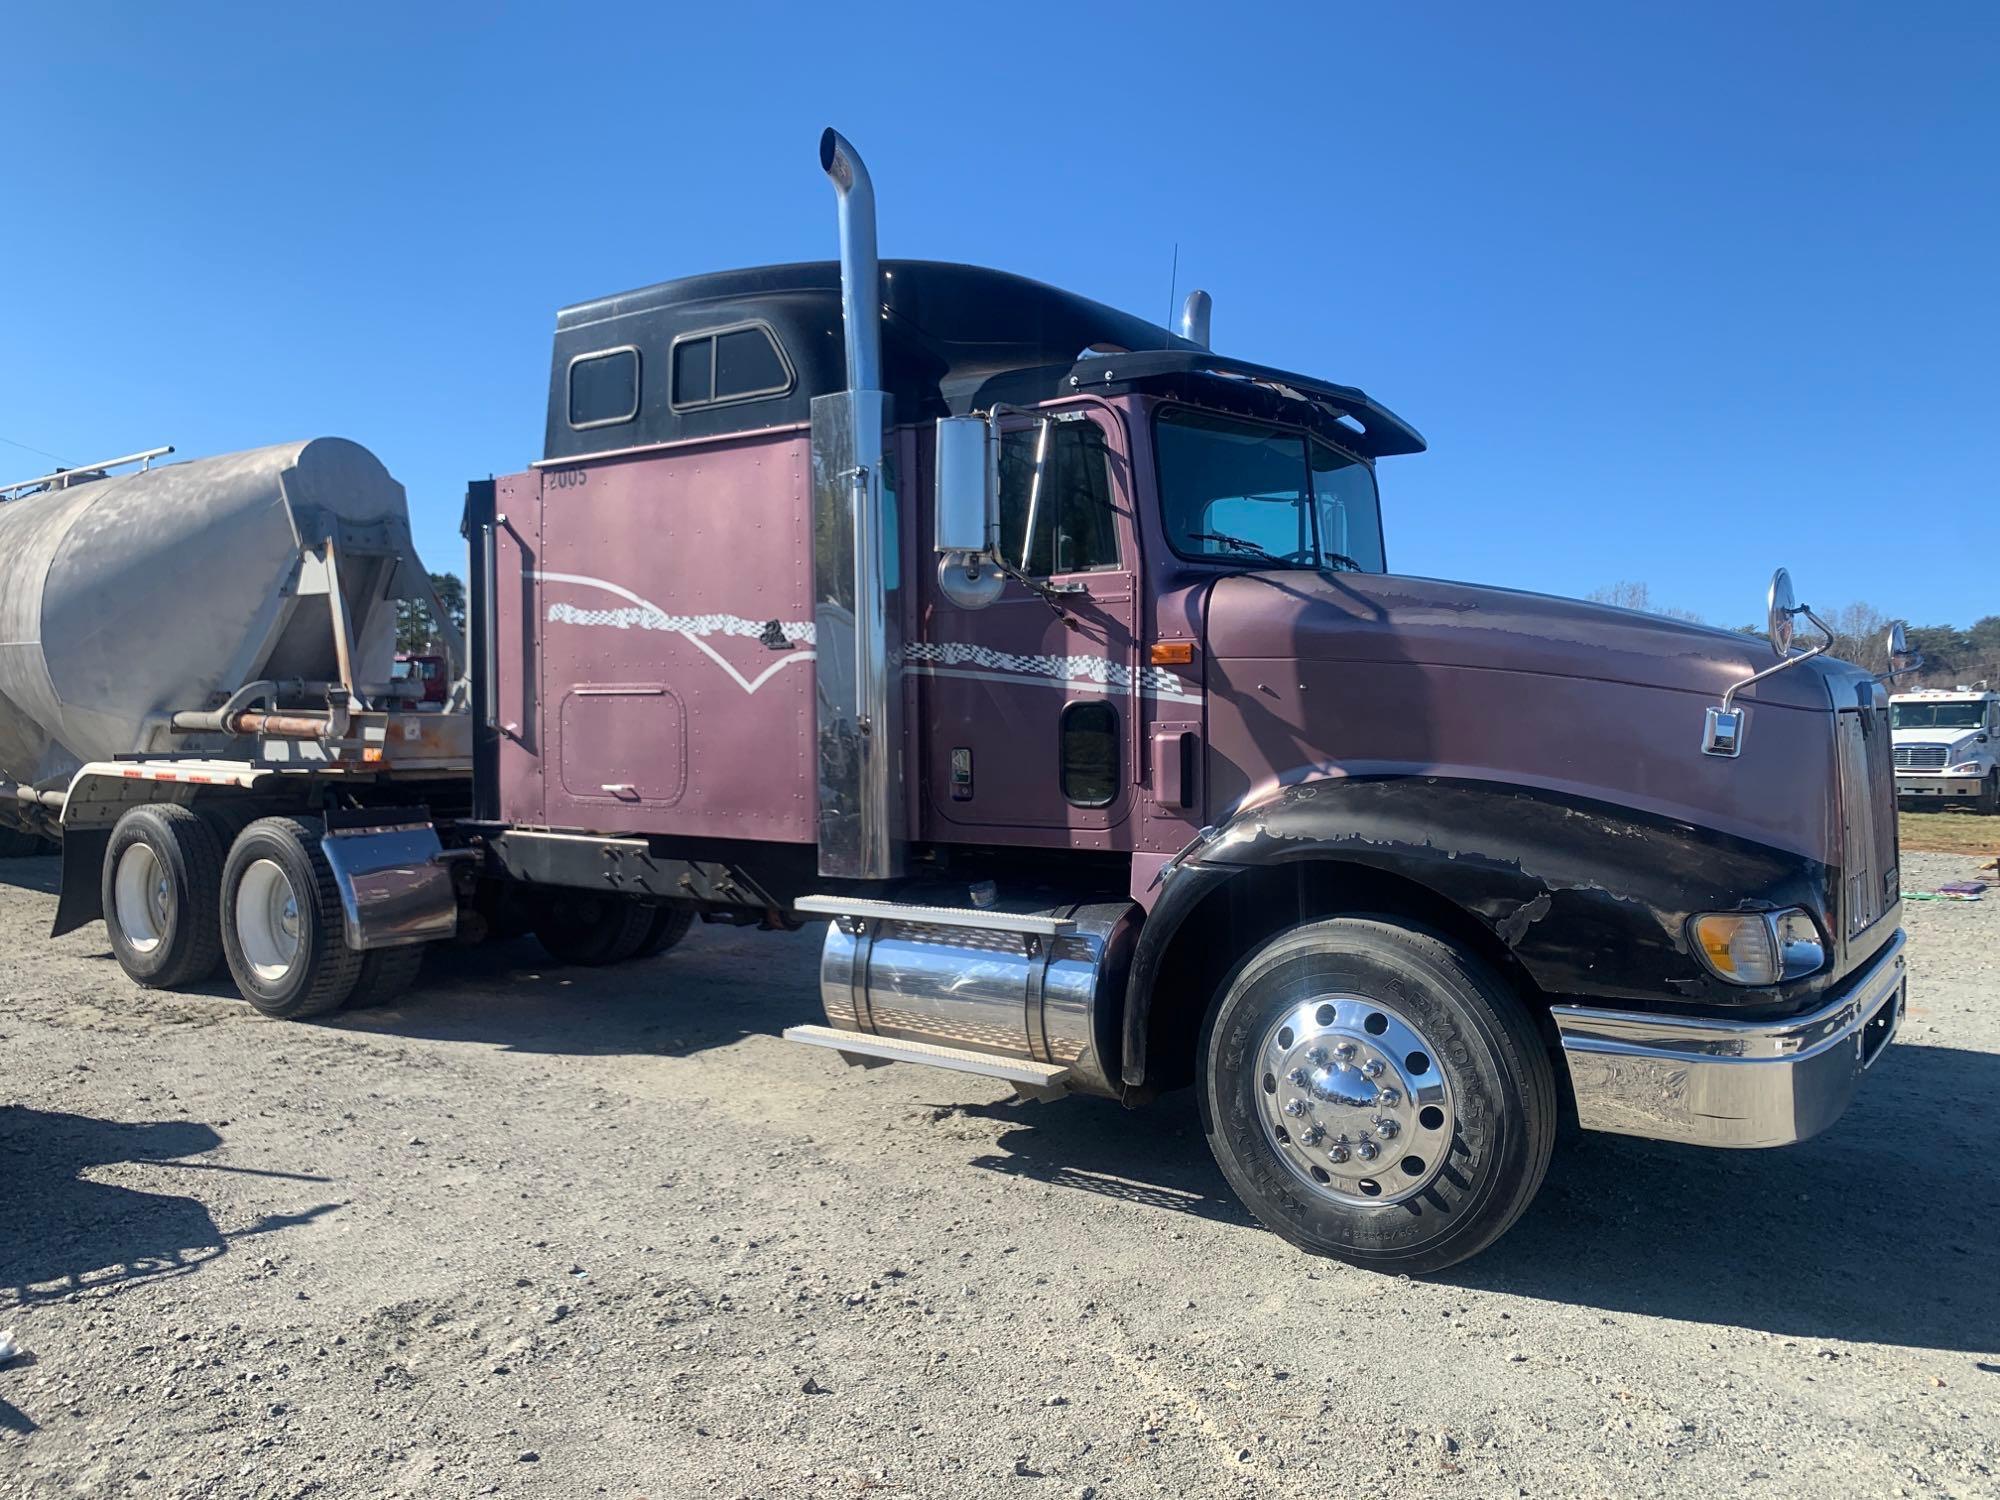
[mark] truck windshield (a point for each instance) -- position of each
(1264, 496)
(1936, 715)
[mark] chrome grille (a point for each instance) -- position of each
(1868, 865)
(1920, 757)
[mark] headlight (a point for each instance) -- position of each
(1758, 947)
(1970, 768)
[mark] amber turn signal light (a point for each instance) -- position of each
(1172, 653)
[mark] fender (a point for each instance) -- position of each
(1591, 898)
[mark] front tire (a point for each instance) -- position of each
(1989, 794)
(1375, 1093)
(161, 887)
(281, 921)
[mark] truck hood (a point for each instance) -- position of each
(1954, 738)
(1383, 619)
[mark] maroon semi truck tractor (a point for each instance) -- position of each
(1055, 661)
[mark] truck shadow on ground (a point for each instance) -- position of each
(1874, 1232)
(718, 987)
(38, 872)
(1156, 1157)
(61, 1232)
(1880, 1230)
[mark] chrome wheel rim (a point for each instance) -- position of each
(269, 928)
(1353, 1101)
(142, 897)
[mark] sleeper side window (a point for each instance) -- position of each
(1071, 526)
(604, 388)
(729, 364)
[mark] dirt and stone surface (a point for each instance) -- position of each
(557, 1233)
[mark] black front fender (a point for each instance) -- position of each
(1590, 898)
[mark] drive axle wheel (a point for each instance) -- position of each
(580, 927)
(17, 844)
(670, 924)
(161, 883)
(1375, 1093)
(281, 921)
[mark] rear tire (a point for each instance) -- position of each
(161, 889)
(385, 974)
(281, 921)
(15, 844)
(670, 925)
(1375, 1093)
(578, 927)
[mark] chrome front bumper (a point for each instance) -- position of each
(1731, 1083)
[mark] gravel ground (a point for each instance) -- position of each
(549, 1233)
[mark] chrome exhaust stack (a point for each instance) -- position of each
(855, 609)
(1194, 317)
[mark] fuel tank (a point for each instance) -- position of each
(1049, 1000)
(124, 599)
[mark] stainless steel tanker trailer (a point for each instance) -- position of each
(1123, 764)
(197, 695)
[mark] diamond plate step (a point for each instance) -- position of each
(859, 1046)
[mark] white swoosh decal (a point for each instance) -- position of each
(691, 628)
(929, 658)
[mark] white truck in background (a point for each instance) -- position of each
(1946, 743)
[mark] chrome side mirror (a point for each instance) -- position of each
(1781, 605)
(1902, 661)
(1724, 725)
(966, 511)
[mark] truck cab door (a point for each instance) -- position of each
(1028, 708)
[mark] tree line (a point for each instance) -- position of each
(1951, 655)
(416, 627)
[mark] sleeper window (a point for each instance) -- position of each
(604, 388)
(729, 364)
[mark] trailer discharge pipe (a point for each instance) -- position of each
(235, 717)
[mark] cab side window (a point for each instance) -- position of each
(1073, 528)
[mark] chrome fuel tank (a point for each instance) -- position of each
(1050, 999)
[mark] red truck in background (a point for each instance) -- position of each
(1055, 662)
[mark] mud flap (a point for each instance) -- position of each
(82, 899)
(394, 888)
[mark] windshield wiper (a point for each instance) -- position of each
(1236, 543)
(1343, 563)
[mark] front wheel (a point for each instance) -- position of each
(1375, 1093)
(1989, 793)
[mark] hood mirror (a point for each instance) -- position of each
(1723, 727)
(1783, 605)
(1902, 661)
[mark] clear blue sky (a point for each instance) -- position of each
(1677, 293)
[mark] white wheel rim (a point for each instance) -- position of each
(269, 927)
(142, 897)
